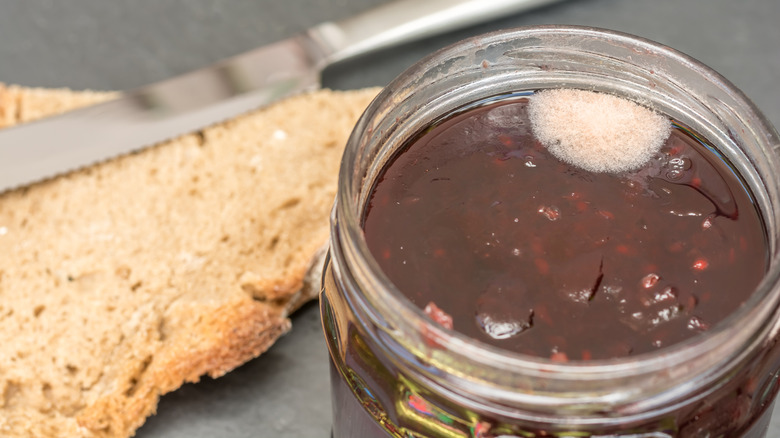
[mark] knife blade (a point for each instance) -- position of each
(189, 102)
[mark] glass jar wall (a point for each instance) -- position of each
(396, 373)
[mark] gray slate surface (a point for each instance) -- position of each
(119, 44)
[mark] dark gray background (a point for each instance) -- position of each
(115, 45)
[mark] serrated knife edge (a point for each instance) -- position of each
(149, 115)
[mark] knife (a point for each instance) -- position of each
(192, 101)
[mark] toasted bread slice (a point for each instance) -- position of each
(121, 281)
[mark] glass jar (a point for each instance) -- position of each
(397, 374)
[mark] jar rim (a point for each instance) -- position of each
(755, 317)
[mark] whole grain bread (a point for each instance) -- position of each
(122, 281)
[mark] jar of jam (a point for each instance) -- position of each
(479, 286)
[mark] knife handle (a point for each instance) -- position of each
(402, 21)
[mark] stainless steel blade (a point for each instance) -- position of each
(187, 103)
(46, 148)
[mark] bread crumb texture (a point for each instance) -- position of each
(595, 131)
(122, 281)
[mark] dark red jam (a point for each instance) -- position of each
(475, 222)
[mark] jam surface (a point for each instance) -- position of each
(477, 224)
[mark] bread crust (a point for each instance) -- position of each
(122, 281)
(234, 333)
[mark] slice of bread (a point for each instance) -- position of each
(121, 281)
